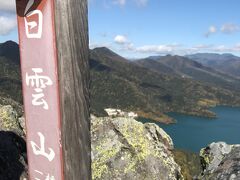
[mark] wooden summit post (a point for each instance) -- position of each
(53, 38)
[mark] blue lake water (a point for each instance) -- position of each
(192, 133)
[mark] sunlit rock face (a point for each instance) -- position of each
(10, 121)
(123, 148)
(222, 162)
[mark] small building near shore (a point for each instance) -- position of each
(119, 113)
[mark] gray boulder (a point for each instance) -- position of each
(9, 121)
(223, 162)
(123, 148)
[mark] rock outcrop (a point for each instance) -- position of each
(13, 158)
(222, 162)
(123, 148)
(10, 121)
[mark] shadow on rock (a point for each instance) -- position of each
(13, 159)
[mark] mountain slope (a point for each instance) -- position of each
(155, 65)
(187, 68)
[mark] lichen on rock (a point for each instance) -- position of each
(123, 148)
(223, 162)
(9, 120)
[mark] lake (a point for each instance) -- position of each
(192, 133)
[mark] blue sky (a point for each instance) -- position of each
(138, 28)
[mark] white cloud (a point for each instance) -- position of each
(108, 3)
(220, 48)
(120, 2)
(230, 28)
(157, 49)
(124, 43)
(202, 46)
(173, 48)
(182, 50)
(211, 30)
(138, 2)
(7, 24)
(223, 48)
(164, 49)
(216, 48)
(237, 45)
(121, 39)
(141, 2)
(7, 5)
(129, 47)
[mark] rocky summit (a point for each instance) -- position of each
(123, 148)
(221, 162)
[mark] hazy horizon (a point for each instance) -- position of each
(150, 55)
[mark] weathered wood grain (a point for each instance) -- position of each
(71, 24)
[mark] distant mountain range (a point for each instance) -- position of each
(151, 87)
(187, 68)
(226, 63)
